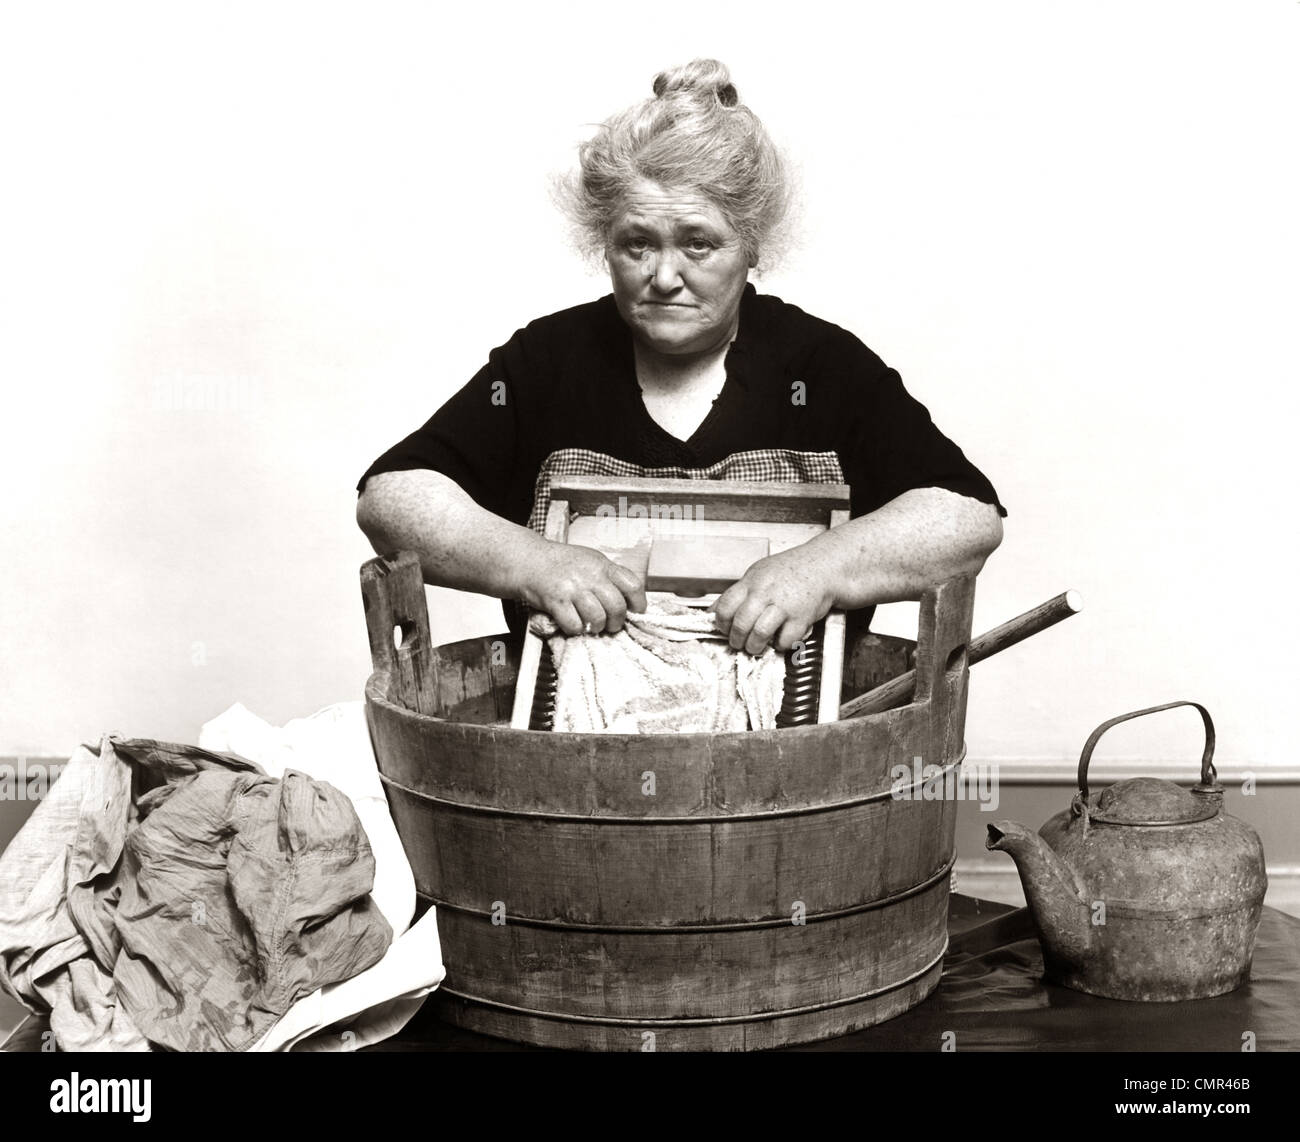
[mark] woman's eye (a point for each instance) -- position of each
(699, 245)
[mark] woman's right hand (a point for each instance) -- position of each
(578, 586)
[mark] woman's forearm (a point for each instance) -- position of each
(916, 540)
(465, 546)
(898, 551)
(459, 543)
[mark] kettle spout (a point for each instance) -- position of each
(1057, 898)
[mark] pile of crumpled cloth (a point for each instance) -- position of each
(669, 670)
(175, 897)
(192, 900)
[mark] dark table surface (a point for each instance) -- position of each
(992, 997)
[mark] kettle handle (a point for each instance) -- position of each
(1208, 775)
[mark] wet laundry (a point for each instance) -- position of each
(669, 670)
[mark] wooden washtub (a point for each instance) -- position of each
(768, 891)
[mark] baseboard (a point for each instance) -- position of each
(1064, 771)
(998, 881)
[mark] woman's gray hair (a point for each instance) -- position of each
(694, 135)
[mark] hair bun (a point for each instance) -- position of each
(705, 75)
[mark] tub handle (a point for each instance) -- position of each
(942, 642)
(397, 621)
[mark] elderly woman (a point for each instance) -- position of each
(684, 371)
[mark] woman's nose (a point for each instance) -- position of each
(664, 273)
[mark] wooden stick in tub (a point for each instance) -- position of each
(898, 691)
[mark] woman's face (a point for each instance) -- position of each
(678, 270)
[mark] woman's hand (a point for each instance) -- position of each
(777, 600)
(581, 589)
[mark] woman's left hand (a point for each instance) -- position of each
(777, 601)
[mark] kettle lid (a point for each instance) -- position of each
(1153, 801)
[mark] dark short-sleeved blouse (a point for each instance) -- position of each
(804, 400)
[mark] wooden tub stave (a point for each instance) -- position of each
(709, 873)
(736, 975)
(769, 890)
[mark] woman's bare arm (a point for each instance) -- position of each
(916, 540)
(462, 545)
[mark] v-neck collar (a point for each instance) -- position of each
(736, 365)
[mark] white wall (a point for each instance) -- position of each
(1071, 226)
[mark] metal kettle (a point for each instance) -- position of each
(1147, 891)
